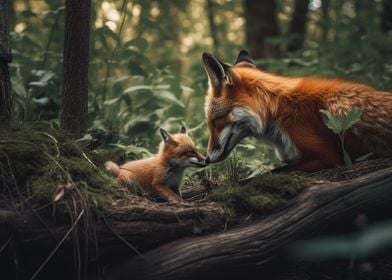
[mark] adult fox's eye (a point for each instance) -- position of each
(219, 123)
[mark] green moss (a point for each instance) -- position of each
(36, 159)
(262, 195)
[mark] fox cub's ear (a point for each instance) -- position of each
(183, 130)
(245, 60)
(166, 136)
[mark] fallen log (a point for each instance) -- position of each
(260, 242)
(140, 222)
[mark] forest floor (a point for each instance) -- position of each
(52, 187)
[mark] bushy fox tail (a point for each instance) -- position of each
(112, 167)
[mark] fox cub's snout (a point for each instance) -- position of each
(163, 172)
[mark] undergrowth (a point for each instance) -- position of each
(39, 164)
(262, 195)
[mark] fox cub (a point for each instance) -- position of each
(163, 172)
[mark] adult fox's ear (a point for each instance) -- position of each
(183, 130)
(218, 72)
(166, 136)
(244, 60)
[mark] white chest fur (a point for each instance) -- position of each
(174, 178)
(285, 148)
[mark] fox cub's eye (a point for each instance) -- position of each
(188, 153)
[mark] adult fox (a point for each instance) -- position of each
(245, 101)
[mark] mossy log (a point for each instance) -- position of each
(256, 244)
(142, 224)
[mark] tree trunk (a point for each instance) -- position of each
(261, 24)
(386, 16)
(325, 20)
(363, 9)
(76, 60)
(210, 7)
(5, 58)
(312, 211)
(297, 28)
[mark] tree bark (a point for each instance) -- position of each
(76, 60)
(297, 28)
(260, 25)
(5, 58)
(386, 16)
(258, 243)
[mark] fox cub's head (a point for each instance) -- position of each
(179, 150)
(230, 105)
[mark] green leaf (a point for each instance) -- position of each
(333, 122)
(137, 88)
(140, 43)
(44, 78)
(192, 129)
(103, 33)
(339, 124)
(247, 146)
(41, 101)
(111, 101)
(18, 88)
(352, 118)
(169, 96)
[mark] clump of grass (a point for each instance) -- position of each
(262, 195)
(36, 161)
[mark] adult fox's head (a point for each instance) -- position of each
(232, 109)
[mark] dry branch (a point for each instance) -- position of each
(310, 212)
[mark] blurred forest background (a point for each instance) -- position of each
(145, 59)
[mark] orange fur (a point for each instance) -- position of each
(293, 105)
(161, 173)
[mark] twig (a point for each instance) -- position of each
(5, 244)
(122, 238)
